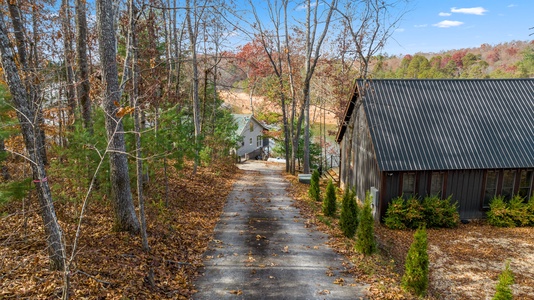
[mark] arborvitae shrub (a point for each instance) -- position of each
(366, 243)
(415, 278)
(329, 203)
(348, 219)
(518, 210)
(503, 289)
(314, 191)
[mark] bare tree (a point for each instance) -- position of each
(69, 56)
(125, 218)
(26, 117)
(193, 17)
(83, 87)
(272, 44)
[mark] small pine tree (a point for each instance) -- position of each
(503, 289)
(314, 190)
(366, 243)
(329, 204)
(415, 279)
(348, 219)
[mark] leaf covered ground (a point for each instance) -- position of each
(112, 265)
(465, 262)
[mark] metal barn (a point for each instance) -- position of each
(472, 139)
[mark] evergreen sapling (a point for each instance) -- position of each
(415, 279)
(348, 220)
(366, 243)
(329, 204)
(503, 289)
(314, 190)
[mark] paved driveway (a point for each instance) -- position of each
(263, 249)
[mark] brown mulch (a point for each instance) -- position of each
(112, 265)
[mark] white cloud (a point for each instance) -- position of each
(448, 23)
(400, 30)
(444, 14)
(470, 11)
(512, 5)
(420, 26)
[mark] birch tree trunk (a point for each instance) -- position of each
(26, 116)
(83, 87)
(125, 218)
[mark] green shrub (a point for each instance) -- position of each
(366, 243)
(440, 213)
(415, 278)
(348, 219)
(314, 190)
(511, 213)
(503, 289)
(530, 210)
(431, 212)
(395, 214)
(329, 203)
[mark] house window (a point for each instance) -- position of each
(491, 187)
(525, 182)
(251, 126)
(258, 141)
(250, 141)
(508, 181)
(408, 185)
(436, 184)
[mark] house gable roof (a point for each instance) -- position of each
(450, 124)
(242, 121)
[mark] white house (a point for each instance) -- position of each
(253, 142)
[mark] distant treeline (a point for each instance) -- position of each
(506, 60)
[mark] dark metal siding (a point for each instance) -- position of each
(451, 124)
(465, 187)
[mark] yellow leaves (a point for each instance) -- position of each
(236, 292)
(339, 281)
(122, 111)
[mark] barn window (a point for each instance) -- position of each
(258, 141)
(436, 183)
(491, 187)
(408, 185)
(525, 182)
(250, 141)
(251, 126)
(508, 181)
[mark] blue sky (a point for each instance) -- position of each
(437, 25)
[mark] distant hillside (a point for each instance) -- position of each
(507, 60)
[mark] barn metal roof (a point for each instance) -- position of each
(451, 124)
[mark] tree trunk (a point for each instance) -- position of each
(83, 87)
(137, 123)
(3, 168)
(196, 102)
(125, 218)
(26, 115)
(18, 27)
(68, 52)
